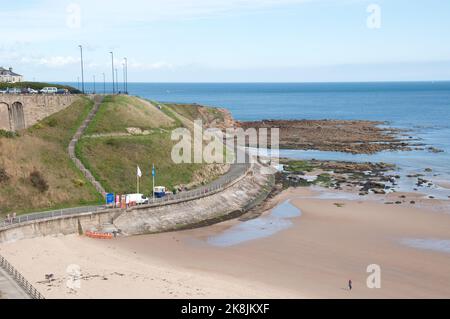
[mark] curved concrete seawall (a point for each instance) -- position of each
(230, 202)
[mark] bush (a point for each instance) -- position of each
(7, 134)
(3, 176)
(52, 122)
(38, 181)
(112, 142)
(78, 182)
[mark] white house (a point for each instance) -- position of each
(9, 76)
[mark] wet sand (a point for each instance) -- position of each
(330, 242)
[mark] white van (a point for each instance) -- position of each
(49, 90)
(139, 199)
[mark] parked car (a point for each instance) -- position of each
(49, 90)
(62, 91)
(14, 91)
(4, 91)
(32, 91)
(139, 199)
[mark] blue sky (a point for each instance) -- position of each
(228, 40)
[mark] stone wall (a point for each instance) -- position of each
(21, 111)
(231, 202)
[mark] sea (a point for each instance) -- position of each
(421, 107)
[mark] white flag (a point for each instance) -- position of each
(139, 173)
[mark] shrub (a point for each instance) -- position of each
(3, 176)
(7, 134)
(38, 181)
(78, 182)
(111, 142)
(52, 122)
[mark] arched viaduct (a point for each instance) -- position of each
(18, 112)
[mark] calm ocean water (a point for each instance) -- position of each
(423, 107)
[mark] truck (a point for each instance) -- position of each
(159, 191)
(138, 199)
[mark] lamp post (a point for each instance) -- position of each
(117, 81)
(126, 75)
(104, 83)
(82, 68)
(112, 68)
(124, 79)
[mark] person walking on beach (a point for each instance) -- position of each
(350, 284)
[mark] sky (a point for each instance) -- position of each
(228, 40)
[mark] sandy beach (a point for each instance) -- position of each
(332, 241)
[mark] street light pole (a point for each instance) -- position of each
(124, 79)
(82, 69)
(104, 83)
(112, 68)
(126, 75)
(117, 82)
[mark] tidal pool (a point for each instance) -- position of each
(278, 220)
(440, 245)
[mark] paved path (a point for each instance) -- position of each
(9, 289)
(98, 100)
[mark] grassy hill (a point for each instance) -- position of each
(117, 113)
(36, 173)
(113, 159)
(35, 170)
(209, 115)
(37, 86)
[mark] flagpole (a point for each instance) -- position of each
(153, 183)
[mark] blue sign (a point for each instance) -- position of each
(153, 172)
(110, 199)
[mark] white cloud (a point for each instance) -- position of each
(52, 61)
(150, 66)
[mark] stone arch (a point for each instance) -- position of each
(5, 119)
(17, 116)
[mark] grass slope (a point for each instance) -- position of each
(117, 113)
(43, 148)
(195, 111)
(113, 159)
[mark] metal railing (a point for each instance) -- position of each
(235, 172)
(49, 214)
(21, 281)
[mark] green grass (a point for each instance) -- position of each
(62, 126)
(37, 86)
(324, 180)
(43, 147)
(299, 166)
(169, 112)
(117, 113)
(113, 161)
(194, 112)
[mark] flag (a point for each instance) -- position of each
(153, 171)
(139, 173)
